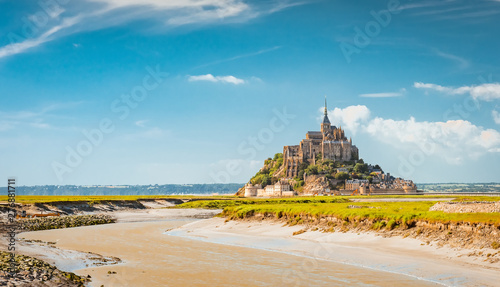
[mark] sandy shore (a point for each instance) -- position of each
(395, 254)
(70, 259)
(177, 247)
(169, 252)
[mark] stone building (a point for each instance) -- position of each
(279, 189)
(251, 190)
(355, 183)
(331, 143)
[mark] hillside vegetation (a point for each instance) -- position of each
(273, 171)
(219, 204)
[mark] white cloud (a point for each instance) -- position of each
(215, 79)
(496, 116)
(456, 137)
(181, 12)
(170, 13)
(454, 140)
(381, 95)
(486, 92)
(49, 35)
(350, 118)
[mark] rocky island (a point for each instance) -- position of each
(324, 163)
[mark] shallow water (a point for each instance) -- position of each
(152, 258)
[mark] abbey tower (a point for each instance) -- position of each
(330, 143)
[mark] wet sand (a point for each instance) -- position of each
(447, 266)
(151, 257)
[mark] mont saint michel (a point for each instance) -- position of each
(325, 162)
(249, 143)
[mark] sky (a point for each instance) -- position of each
(203, 91)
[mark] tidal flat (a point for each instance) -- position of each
(150, 256)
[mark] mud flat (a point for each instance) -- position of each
(187, 251)
(398, 255)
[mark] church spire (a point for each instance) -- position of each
(325, 117)
(326, 111)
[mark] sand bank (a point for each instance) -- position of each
(152, 258)
(399, 255)
(71, 259)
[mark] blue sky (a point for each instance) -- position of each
(191, 91)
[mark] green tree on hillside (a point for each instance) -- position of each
(278, 156)
(361, 168)
(319, 156)
(312, 169)
(342, 176)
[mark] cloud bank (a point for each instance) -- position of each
(485, 92)
(453, 140)
(215, 79)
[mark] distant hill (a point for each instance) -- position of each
(166, 189)
(459, 187)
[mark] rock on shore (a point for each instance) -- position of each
(56, 222)
(34, 272)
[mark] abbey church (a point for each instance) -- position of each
(329, 143)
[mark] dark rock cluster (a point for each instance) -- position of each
(30, 271)
(57, 222)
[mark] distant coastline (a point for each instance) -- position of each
(211, 189)
(459, 187)
(153, 189)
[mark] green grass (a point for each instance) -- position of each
(219, 204)
(223, 198)
(383, 214)
(97, 198)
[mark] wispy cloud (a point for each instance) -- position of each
(486, 92)
(178, 12)
(381, 95)
(215, 79)
(141, 123)
(384, 95)
(496, 116)
(443, 11)
(49, 35)
(263, 51)
(462, 63)
(452, 10)
(172, 13)
(36, 118)
(473, 15)
(420, 5)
